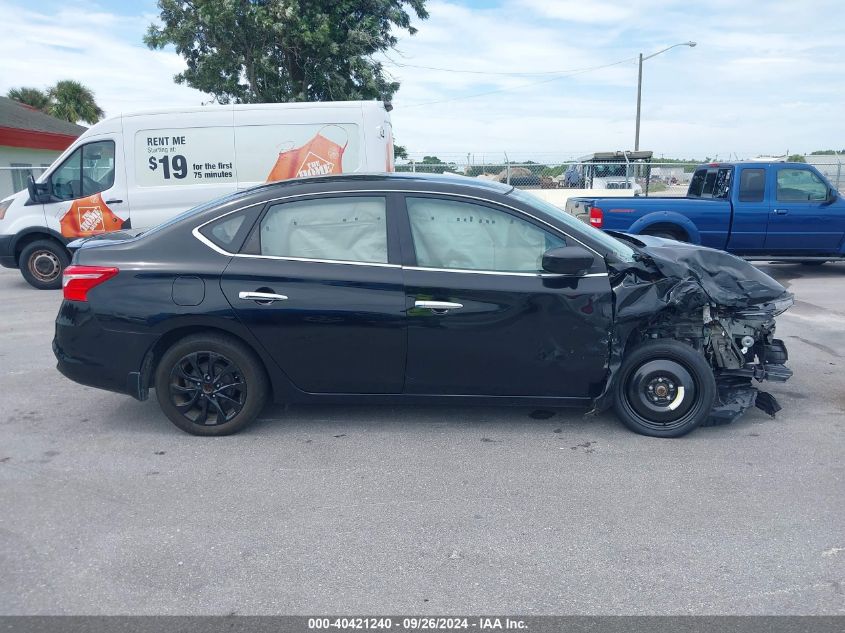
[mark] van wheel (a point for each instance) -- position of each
(208, 384)
(665, 388)
(42, 263)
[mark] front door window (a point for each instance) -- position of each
(465, 236)
(88, 170)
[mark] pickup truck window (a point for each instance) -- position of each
(710, 183)
(800, 185)
(696, 184)
(752, 185)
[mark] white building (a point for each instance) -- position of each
(29, 142)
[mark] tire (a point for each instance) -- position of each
(42, 263)
(231, 399)
(648, 397)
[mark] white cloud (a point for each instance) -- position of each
(759, 80)
(102, 50)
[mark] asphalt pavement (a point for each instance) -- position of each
(107, 508)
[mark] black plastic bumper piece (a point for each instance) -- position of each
(7, 252)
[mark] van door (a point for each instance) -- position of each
(88, 190)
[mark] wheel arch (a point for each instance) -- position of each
(32, 234)
(172, 336)
(667, 221)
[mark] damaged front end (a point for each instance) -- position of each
(716, 303)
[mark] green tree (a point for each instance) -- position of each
(400, 152)
(32, 97)
(247, 51)
(797, 158)
(71, 101)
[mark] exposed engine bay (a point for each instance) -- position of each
(716, 303)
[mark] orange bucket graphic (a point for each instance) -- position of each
(317, 157)
(89, 216)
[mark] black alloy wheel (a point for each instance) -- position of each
(207, 388)
(211, 384)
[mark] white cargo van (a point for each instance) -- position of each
(137, 170)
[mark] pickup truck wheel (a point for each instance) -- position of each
(42, 263)
(664, 388)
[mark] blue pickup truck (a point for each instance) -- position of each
(757, 210)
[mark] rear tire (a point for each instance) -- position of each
(664, 388)
(210, 385)
(42, 263)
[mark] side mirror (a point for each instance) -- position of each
(39, 193)
(568, 260)
(832, 195)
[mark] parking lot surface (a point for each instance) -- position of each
(107, 508)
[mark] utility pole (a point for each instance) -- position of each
(640, 86)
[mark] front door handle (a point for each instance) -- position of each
(115, 201)
(781, 211)
(438, 307)
(261, 297)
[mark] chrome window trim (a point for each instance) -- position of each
(318, 261)
(465, 271)
(385, 192)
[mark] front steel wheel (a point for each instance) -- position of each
(210, 385)
(664, 389)
(42, 263)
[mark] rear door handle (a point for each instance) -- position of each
(114, 201)
(261, 297)
(438, 307)
(781, 211)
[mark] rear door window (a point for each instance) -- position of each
(351, 229)
(752, 185)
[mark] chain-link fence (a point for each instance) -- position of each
(638, 178)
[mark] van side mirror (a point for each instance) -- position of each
(567, 260)
(832, 195)
(39, 193)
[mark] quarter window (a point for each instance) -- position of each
(461, 235)
(88, 170)
(342, 229)
(800, 185)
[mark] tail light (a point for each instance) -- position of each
(78, 280)
(596, 217)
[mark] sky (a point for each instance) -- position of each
(550, 79)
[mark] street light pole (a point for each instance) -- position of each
(639, 101)
(640, 86)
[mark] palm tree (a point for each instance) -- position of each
(32, 97)
(73, 102)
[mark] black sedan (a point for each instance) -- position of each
(407, 289)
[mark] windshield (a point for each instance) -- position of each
(610, 244)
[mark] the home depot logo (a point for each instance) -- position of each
(91, 219)
(314, 165)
